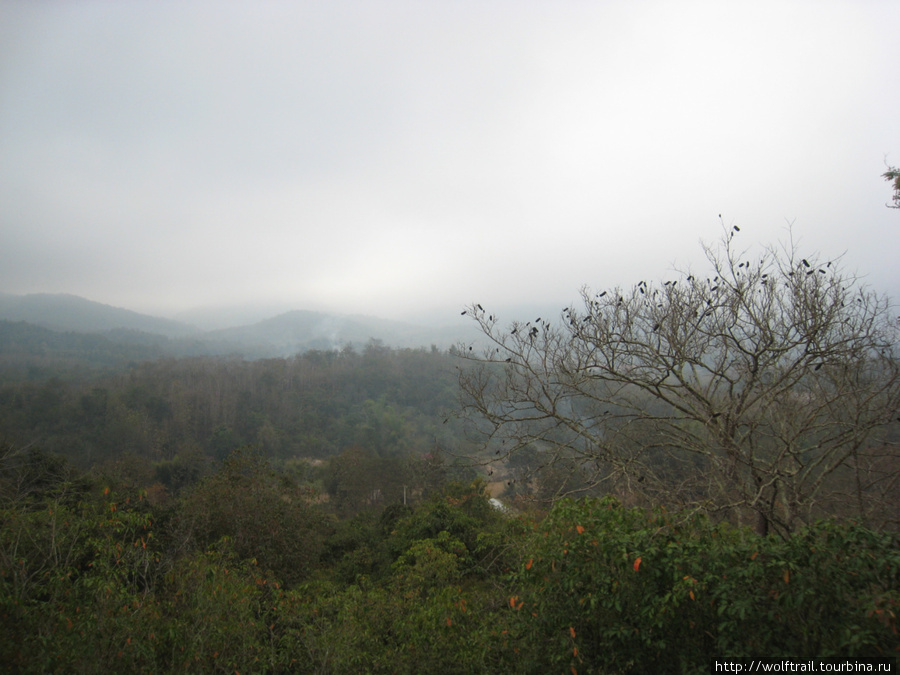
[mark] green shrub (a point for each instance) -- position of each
(626, 590)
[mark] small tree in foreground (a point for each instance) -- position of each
(892, 175)
(762, 387)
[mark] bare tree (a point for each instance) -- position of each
(763, 388)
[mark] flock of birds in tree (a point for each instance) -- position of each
(715, 286)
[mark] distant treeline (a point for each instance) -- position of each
(315, 405)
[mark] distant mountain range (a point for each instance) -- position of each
(56, 325)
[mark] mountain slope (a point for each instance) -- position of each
(63, 312)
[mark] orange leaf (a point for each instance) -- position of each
(574, 651)
(580, 529)
(753, 557)
(637, 564)
(449, 622)
(529, 563)
(572, 632)
(787, 576)
(691, 593)
(512, 601)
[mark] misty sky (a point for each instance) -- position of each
(390, 157)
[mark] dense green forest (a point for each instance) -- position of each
(167, 413)
(317, 514)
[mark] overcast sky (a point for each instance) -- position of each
(389, 157)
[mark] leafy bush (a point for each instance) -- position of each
(75, 581)
(626, 590)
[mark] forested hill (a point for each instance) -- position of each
(305, 514)
(64, 312)
(26, 341)
(28, 351)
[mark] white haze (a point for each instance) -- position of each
(402, 159)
